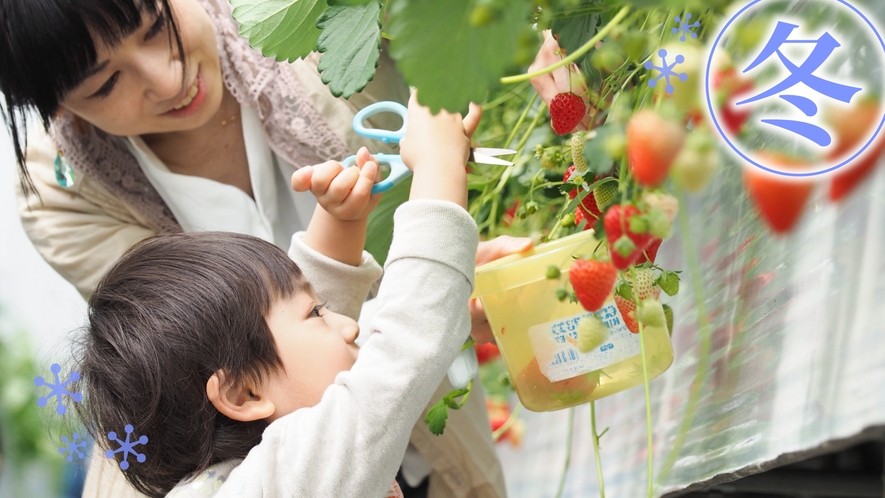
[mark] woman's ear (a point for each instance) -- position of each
(244, 401)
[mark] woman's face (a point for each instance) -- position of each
(137, 87)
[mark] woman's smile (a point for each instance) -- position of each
(192, 100)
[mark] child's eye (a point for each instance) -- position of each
(315, 312)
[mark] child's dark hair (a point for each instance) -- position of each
(46, 50)
(174, 310)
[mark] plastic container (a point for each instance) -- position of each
(535, 331)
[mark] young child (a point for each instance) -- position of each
(215, 347)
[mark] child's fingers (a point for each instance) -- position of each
(363, 188)
(471, 120)
(341, 186)
(301, 179)
(363, 156)
(323, 175)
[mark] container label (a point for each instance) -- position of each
(555, 345)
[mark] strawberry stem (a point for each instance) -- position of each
(568, 451)
(596, 448)
(647, 395)
(704, 337)
(506, 425)
(602, 33)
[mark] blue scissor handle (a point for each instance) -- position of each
(385, 136)
(398, 170)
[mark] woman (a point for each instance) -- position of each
(160, 118)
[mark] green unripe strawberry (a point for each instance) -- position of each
(551, 158)
(605, 195)
(635, 45)
(578, 140)
(668, 313)
(567, 220)
(651, 313)
(591, 333)
(659, 224)
(615, 145)
(553, 271)
(669, 283)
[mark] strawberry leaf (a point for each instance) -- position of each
(467, 60)
(283, 29)
(573, 32)
(350, 43)
(437, 416)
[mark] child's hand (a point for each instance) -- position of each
(436, 148)
(345, 193)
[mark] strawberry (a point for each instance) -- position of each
(577, 143)
(588, 204)
(566, 112)
(695, 164)
(625, 246)
(652, 145)
(605, 194)
(591, 333)
(651, 252)
(593, 281)
(651, 313)
(729, 85)
(580, 215)
(627, 307)
(780, 199)
(851, 128)
(486, 352)
(663, 201)
(644, 287)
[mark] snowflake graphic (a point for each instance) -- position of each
(666, 70)
(126, 447)
(685, 27)
(58, 389)
(72, 447)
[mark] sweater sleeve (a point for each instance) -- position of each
(341, 286)
(352, 442)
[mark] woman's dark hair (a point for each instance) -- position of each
(47, 49)
(174, 310)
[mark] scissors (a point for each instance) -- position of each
(398, 170)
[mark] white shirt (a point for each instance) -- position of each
(201, 204)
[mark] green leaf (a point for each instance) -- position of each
(574, 32)
(379, 233)
(436, 417)
(466, 60)
(350, 2)
(595, 153)
(350, 43)
(283, 29)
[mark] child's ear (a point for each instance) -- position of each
(244, 401)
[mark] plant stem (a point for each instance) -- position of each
(647, 395)
(574, 55)
(568, 451)
(506, 425)
(697, 384)
(596, 448)
(467, 394)
(519, 121)
(504, 98)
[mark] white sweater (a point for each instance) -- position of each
(352, 443)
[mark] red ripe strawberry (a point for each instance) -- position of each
(652, 145)
(486, 352)
(617, 225)
(852, 127)
(628, 313)
(593, 281)
(566, 111)
(651, 252)
(588, 204)
(729, 85)
(780, 199)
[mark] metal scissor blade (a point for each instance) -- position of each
(494, 152)
(484, 159)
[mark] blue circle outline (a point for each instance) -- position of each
(725, 137)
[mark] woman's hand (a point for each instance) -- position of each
(345, 193)
(487, 251)
(557, 81)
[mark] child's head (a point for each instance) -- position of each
(199, 341)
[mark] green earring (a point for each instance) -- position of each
(64, 173)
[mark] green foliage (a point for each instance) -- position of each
(380, 229)
(467, 60)
(283, 29)
(574, 32)
(439, 412)
(350, 43)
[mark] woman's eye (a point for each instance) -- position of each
(157, 27)
(106, 89)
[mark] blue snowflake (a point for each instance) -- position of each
(126, 447)
(72, 447)
(685, 27)
(666, 70)
(58, 389)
